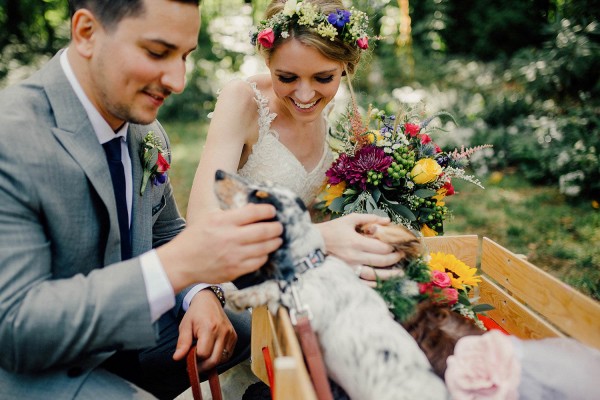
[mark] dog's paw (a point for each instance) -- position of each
(399, 237)
(254, 296)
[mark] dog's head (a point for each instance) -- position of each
(300, 238)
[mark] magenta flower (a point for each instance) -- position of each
(368, 158)
(337, 172)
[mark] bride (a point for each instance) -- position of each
(272, 127)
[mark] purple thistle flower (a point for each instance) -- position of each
(368, 158)
(339, 18)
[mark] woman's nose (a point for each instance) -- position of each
(304, 92)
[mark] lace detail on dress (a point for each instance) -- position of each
(271, 161)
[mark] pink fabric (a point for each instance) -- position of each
(483, 367)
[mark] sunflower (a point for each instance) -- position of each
(461, 274)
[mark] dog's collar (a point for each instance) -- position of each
(313, 260)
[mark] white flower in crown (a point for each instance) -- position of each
(290, 8)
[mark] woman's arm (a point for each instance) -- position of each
(234, 125)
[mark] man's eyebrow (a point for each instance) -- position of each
(169, 45)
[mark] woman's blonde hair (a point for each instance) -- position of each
(336, 49)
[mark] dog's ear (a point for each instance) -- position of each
(301, 204)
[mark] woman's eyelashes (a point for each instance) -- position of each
(290, 79)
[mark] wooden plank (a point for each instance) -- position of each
(299, 379)
(572, 312)
(263, 335)
(292, 381)
(512, 315)
(464, 247)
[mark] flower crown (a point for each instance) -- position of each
(349, 25)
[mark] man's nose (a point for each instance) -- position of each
(173, 77)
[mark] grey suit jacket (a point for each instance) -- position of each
(66, 301)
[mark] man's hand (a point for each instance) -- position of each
(221, 246)
(206, 322)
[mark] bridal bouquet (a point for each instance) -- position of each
(390, 165)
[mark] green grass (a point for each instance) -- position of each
(187, 142)
(538, 222)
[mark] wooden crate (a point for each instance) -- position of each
(529, 303)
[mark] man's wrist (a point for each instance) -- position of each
(219, 292)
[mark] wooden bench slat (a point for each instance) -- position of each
(464, 247)
(513, 316)
(572, 312)
(277, 333)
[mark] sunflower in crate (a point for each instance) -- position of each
(391, 166)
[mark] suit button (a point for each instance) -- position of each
(74, 372)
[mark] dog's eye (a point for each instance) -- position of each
(259, 196)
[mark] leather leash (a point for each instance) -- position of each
(193, 374)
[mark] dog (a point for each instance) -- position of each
(365, 351)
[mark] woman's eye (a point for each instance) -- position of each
(287, 79)
(325, 79)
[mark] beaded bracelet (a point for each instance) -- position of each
(219, 292)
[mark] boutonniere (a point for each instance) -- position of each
(154, 162)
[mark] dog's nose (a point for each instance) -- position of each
(219, 175)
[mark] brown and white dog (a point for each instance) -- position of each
(365, 350)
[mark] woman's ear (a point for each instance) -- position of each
(84, 28)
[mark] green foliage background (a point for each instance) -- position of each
(519, 74)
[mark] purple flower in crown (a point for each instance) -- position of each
(339, 18)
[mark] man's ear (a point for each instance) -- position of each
(84, 30)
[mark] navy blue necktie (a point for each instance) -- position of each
(117, 173)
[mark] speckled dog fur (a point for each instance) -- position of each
(365, 351)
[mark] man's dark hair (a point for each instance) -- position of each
(111, 12)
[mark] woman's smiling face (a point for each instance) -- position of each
(304, 79)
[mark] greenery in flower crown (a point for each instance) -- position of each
(349, 25)
(394, 169)
(438, 277)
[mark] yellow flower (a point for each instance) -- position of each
(373, 136)
(439, 197)
(333, 192)
(425, 170)
(463, 277)
(427, 231)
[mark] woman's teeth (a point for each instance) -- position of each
(304, 106)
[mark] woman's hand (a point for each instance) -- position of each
(365, 254)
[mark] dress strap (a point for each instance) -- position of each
(265, 116)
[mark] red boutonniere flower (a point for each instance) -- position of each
(154, 162)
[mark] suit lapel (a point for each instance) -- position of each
(141, 210)
(74, 131)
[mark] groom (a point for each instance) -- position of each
(98, 294)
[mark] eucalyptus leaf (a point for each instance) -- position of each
(376, 195)
(425, 193)
(337, 205)
(479, 308)
(402, 211)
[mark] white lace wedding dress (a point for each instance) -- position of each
(271, 161)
